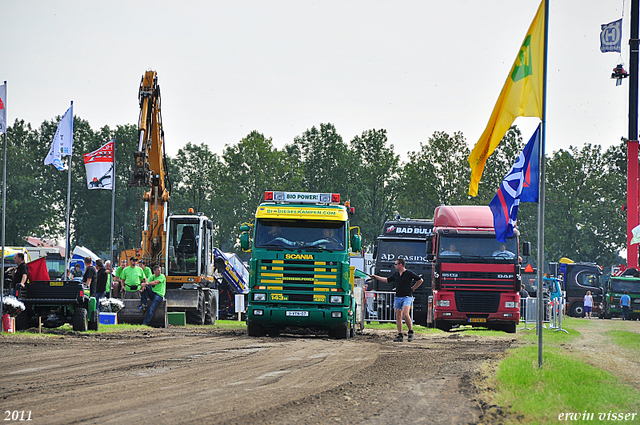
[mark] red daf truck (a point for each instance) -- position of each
(476, 279)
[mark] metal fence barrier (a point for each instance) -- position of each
(552, 311)
(379, 307)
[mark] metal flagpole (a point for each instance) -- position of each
(4, 205)
(541, 184)
(68, 238)
(632, 142)
(113, 204)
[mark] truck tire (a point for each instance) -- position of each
(509, 328)
(196, 317)
(254, 329)
(342, 332)
(577, 309)
(80, 319)
(207, 314)
(442, 325)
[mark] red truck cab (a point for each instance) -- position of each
(476, 279)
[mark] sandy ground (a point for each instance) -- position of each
(207, 375)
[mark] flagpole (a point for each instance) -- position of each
(4, 203)
(113, 204)
(541, 184)
(68, 237)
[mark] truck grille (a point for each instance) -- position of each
(477, 301)
(299, 280)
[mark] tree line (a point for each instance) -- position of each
(585, 186)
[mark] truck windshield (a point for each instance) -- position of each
(412, 251)
(183, 247)
(619, 286)
(464, 249)
(300, 234)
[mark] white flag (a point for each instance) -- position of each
(3, 108)
(636, 235)
(62, 141)
(99, 166)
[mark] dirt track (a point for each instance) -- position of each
(207, 375)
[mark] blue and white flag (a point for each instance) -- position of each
(611, 36)
(62, 141)
(520, 185)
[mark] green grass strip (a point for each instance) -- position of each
(564, 385)
(625, 339)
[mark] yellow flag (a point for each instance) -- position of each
(521, 96)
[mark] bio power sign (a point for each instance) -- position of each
(302, 197)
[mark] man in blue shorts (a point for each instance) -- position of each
(404, 295)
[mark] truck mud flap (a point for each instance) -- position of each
(182, 299)
(131, 315)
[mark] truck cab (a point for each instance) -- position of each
(300, 277)
(576, 279)
(614, 289)
(476, 279)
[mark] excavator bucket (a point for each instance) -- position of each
(182, 298)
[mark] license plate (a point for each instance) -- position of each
(54, 283)
(636, 311)
(477, 320)
(297, 313)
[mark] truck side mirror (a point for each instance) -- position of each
(526, 249)
(356, 243)
(431, 257)
(429, 247)
(244, 240)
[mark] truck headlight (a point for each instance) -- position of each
(336, 299)
(510, 304)
(258, 312)
(336, 314)
(443, 303)
(259, 297)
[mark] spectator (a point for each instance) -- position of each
(89, 277)
(588, 305)
(625, 302)
(19, 273)
(132, 277)
(154, 292)
(102, 276)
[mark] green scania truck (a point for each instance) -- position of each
(299, 274)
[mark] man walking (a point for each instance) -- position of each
(625, 302)
(404, 295)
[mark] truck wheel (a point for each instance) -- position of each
(196, 317)
(577, 309)
(254, 329)
(207, 313)
(509, 328)
(442, 325)
(80, 319)
(341, 333)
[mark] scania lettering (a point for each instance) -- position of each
(405, 238)
(300, 279)
(476, 279)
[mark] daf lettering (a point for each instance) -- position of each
(505, 276)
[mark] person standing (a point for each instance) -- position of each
(153, 291)
(146, 270)
(89, 277)
(404, 295)
(102, 277)
(625, 302)
(588, 305)
(118, 287)
(132, 277)
(19, 274)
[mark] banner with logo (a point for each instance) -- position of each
(99, 166)
(611, 36)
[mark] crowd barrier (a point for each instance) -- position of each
(552, 313)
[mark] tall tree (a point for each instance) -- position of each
(376, 174)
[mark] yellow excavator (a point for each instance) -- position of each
(181, 244)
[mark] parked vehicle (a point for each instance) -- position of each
(576, 279)
(614, 289)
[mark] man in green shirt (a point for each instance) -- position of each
(153, 291)
(119, 286)
(132, 276)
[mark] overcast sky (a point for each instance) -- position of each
(280, 67)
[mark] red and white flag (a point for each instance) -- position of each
(99, 166)
(3, 108)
